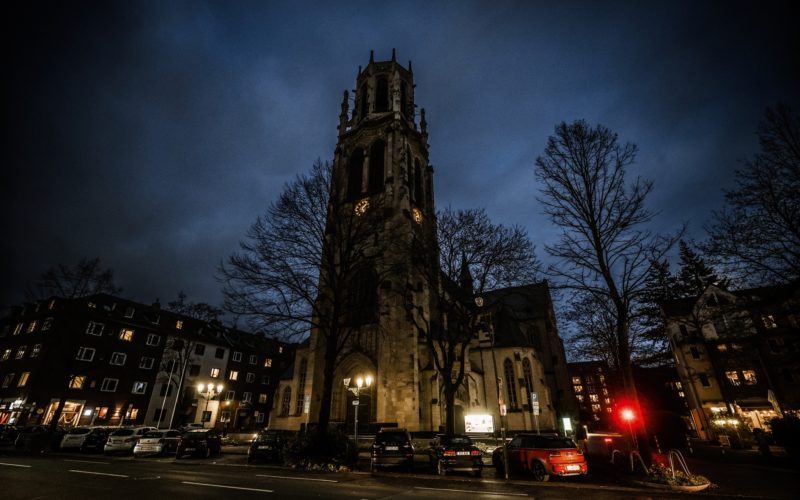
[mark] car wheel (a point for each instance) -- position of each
(539, 472)
(440, 468)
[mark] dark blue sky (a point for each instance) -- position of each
(153, 133)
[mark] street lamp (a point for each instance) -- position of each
(209, 392)
(361, 383)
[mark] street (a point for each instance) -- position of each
(62, 475)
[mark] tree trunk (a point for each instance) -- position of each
(57, 414)
(629, 385)
(327, 385)
(449, 391)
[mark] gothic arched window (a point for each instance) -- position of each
(363, 108)
(376, 165)
(301, 387)
(355, 174)
(527, 374)
(363, 303)
(287, 399)
(511, 383)
(381, 95)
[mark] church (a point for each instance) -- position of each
(515, 371)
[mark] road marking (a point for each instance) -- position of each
(299, 478)
(472, 491)
(227, 487)
(86, 461)
(15, 465)
(96, 473)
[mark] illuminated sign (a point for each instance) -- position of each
(478, 423)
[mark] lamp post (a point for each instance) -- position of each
(361, 383)
(208, 391)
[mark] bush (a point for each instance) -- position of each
(314, 450)
(663, 475)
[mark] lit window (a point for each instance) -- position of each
(749, 377)
(262, 398)
(48, 323)
(31, 327)
(129, 312)
(722, 347)
(678, 385)
(18, 329)
(77, 381)
(91, 305)
(247, 396)
(595, 408)
(605, 391)
(268, 363)
(607, 401)
(280, 350)
(146, 362)
(95, 328)
(7, 380)
(608, 410)
(215, 373)
(601, 378)
(237, 356)
(576, 380)
(681, 394)
(109, 385)
(233, 375)
(23, 379)
(153, 339)
(769, 321)
(736, 347)
(126, 334)
(733, 377)
(251, 377)
(580, 397)
(118, 358)
(179, 325)
(253, 359)
(139, 387)
(35, 350)
(593, 398)
(85, 354)
(20, 352)
(6, 355)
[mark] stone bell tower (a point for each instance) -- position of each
(381, 170)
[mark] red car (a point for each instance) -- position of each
(542, 456)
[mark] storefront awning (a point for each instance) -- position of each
(754, 403)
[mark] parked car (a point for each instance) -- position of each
(189, 427)
(8, 433)
(393, 447)
(199, 442)
(124, 439)
(38, 438)
(542, 456)
(455, 453)
(158, 442)
(95, 441)
(267, 445)
(74, 438)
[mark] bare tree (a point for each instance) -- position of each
(296, 269)
(604, 251)
(757, 236)
(197, 310)
(475, 256)
(87, 277)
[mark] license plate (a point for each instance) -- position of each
(573, 467)
(392, 448)
(462, 453)
(188, 449)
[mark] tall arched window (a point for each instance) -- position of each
(417, 189)
(381, 95)
(363, 108)
(527, 374)
(511, 383)
(355, 174)
(301, 388)
(287, 399)
(376, 165)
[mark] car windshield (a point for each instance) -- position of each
(392, 438)
(548, 442)
(122, 432)
(268, 437)
(153, 434)
(195, 435)
(80, 430)
(456, 440)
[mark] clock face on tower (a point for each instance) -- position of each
(361, 207)
(417, 214)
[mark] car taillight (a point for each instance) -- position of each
(607, 440)
(476, 453)
(449, 453)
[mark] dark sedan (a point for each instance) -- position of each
(199, 443)
(455, 453)
(38, 438)
(268, 445)
(95, 441)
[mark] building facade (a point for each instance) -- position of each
(737, 354)
(381, 169)
(104, 360)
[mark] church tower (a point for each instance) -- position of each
(381, 171)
